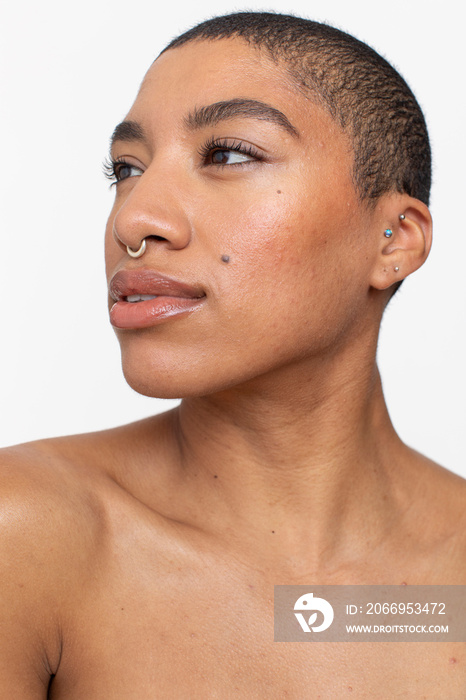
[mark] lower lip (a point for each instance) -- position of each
(144, 314)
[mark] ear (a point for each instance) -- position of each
(407, 248)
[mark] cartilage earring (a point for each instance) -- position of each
(137, 253)
(402, 217)
(388, 233)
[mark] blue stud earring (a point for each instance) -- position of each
(388, 233)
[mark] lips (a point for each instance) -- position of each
(144, 298)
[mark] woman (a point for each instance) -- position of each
(271, 189)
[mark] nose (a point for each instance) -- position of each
(153, 211)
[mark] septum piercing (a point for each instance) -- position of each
(137, 253)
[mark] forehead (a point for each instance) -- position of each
(206, 72)
(228, 64)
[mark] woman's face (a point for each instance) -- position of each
(250, 203)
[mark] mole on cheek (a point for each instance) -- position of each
(279, 191)
(225, 258)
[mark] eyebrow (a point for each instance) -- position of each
(128, 131)
(229, 109)
(209, 116)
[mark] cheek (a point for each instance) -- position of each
(290, 272)
(279, 244)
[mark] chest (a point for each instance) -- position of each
(207, 634)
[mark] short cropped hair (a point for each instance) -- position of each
(365, 95)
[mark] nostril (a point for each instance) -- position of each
(131, 239)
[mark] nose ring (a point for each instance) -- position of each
(137, 253)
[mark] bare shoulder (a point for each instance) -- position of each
(50, 527)
(441, 489)
(437, 507)
(51, 509)
(62, 502)
(63, 490)
(41, 484)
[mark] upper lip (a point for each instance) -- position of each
(127, 282)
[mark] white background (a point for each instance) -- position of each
(69, 72)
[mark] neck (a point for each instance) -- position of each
(302, 456)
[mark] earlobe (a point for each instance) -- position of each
(405, 239)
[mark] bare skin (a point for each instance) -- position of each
(140, 562)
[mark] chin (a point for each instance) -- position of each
(166, 376)
(169, 370)
(157, 383)
(156, 388)
(160, 378)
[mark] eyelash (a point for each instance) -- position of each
(238, 146)
(111, 167)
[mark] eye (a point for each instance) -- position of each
(228, 152)
(125, 170)
(226, 156)
(118, 170)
